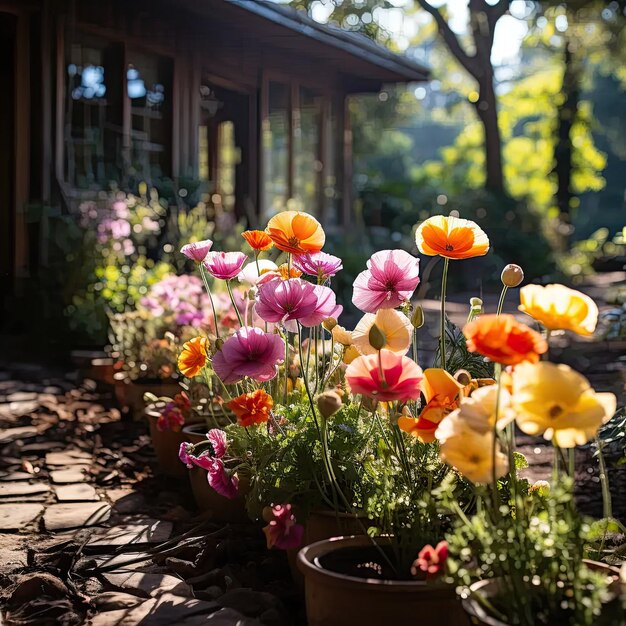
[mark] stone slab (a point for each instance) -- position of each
(16, 516)
(68, 457)
(21, 488)
(14, 476)
(74, 474)
(148, 584)
(79, 492)
(153, 531)
(62, 516)
(7, 435)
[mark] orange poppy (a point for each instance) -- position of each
(284, 272)
(193, 357)
(257, 239)
(502, 339)
(451, 237)
(252, 408)
(440, 391)
(296, 232)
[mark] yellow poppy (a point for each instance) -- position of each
(394, 326)
(560, 308)
(559, 402)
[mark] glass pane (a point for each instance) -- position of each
(306, 152)
(276, 150)
(148, 85)
(93, 114)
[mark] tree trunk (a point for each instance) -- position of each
(487, 110)
(563, 150)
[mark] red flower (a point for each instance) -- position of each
(252, 408)
(431, 561)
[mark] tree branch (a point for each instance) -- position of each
(454, 45)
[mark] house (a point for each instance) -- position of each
(247, 95)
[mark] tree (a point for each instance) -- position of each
(483, 20)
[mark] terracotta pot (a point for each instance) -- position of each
(491, 588)
(102, 370)
(207, 499)
(129, 395)
(166, 444)
(333, 597)
(195, 433)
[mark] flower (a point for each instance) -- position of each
(559, 308)
(282, 272)
(389, 280)
(341, 335)
(171, 418)
(257, 239)
(193, 357)
(469, 451)
(279, 301)
(326, 307)
(249, 352)
(394, 326)
(222, 481)
(296, 232)
(431, 561)
(502, 339)
(197, 250)
(224, 265)
(329, 402)
(540, 487)
(282, 531)
(441, 391)
(512, 275)
(254, 271)
(451, 237)
(319, 264)
(400, 378)
(252, 408)
(559, 402)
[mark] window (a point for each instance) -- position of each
(149, 87)
(307, 151)
(276, 149)
(93, 121)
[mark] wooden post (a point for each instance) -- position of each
(345, 128)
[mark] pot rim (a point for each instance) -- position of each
(306, 561)
(195, 428)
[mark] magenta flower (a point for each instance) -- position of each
(171, 418)
(223, 481)
(389, 280)
(319, 264)
(249, 352)
(280, 301)
(197, 250)
(224, 265)
(326, 307)
(282, 531)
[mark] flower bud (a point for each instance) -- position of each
(328, 403)
(219, 342)
(476, 309)
(376, 338)
(417, 319)
(512, 275)
(476, 303)
(329, 323)
(464, 377)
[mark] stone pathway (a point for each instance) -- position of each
(83, 522)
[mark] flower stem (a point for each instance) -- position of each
(442, 337)
(232, 299)
(501, 301)
(607, 506)
(208, 290)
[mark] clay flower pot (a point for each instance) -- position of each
(340, 588)
(129, 395)
(207, 499)
(491, 588)
(166, 444)
(195, 433)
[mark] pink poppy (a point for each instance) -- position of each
(326, 307)
(280, 301)
(282, 531)
(203, 453)
(431, 561)
(249, 352)
(319, 264)
(222, 481)
(401, 376)
(197, 250)
(224, 265)
(389, 280)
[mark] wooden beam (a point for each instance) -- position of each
(346, 134)
(46, 129)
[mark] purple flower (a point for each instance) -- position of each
(224, 265)
(318, 264)
(326, 307)
(197, 250)
(249, 352)
(280, 301)
(282, 531)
